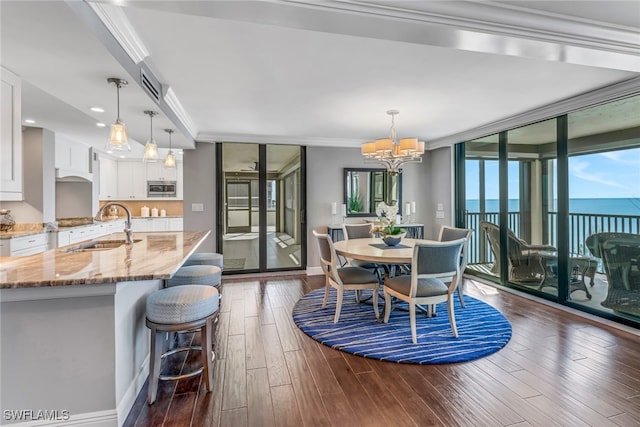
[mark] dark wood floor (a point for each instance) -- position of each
(558, 369)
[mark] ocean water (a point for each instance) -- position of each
(610, 206)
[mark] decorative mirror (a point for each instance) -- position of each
(365, 188)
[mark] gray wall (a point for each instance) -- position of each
(39, 178)
(74, 199)
(200, 187)
(427, 183)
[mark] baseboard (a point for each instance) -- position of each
(314, 271)
(129, 398)
(107, 418)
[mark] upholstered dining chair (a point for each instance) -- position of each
(345, 278)
(452, 233)
(431, 265)
(361, 231)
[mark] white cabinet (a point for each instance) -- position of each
(176, 224)
(10, 136)
(108, 179)
(72, 156)
(157, 224)
(132, 180)
(157, 172)
(26, 245)
(64, 238)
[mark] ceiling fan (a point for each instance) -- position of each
(253, 168)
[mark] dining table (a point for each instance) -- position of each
(375, 250)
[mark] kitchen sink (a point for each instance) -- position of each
(100, 245)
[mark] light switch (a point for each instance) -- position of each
(197, 207)
(440, 207)
(439, 214)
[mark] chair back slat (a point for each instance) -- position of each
(441, 258)
(327, 255)
(356, 231)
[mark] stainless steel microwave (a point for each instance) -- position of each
(161, 189)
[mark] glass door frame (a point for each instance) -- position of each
(262, 209)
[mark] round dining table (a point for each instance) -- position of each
(375, 250)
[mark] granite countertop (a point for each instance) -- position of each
(155, 256)
(20, 233)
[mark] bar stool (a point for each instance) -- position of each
(182, 308)
(210, 275)
(205, 258)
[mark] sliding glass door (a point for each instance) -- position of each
(555, 206)
(261, 200)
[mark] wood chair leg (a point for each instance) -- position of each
(452, 316)
(338, 305)
(375, 302)
(327, 287)
(387, 307)
(412, 317)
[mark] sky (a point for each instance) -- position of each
(614, 174)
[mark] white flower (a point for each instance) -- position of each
(387, 215)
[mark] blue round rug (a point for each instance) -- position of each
(482, 330)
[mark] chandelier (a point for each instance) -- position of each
(391, 152)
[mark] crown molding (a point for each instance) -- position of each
(176, 106)
(496, 18)
(278, 139)
(119, 25)
(599, 96)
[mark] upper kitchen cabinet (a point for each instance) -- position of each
(132, 180)
(72, 156)
(157, 172)
(108, 179)
(10, 137)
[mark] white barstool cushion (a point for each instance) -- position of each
(205, 258)
(182, 304)
(196, 275)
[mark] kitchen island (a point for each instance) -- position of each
(73, 335)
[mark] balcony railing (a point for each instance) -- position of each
(581, 226)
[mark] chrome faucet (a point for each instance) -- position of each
(127, 225)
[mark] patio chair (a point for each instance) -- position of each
(451, 233)
(345, 278)
(620, 254)
(433, 264)
(524, 260)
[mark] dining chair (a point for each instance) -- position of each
(343, 278)
(432, 263)
(452, 233)
(361, 231)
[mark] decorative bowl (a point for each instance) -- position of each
(392, 239)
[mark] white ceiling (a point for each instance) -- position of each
(315, 73)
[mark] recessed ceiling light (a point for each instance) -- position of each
(100, 124)
(109, 152)
(97, 109)
(30, 121)
(122, 156)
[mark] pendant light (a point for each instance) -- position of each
(118, 137)
(170, 160)
(150, 148)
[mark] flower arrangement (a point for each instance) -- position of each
(387, 218)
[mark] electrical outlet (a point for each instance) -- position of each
(439, 214)
(197, 207)
(440, 207)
